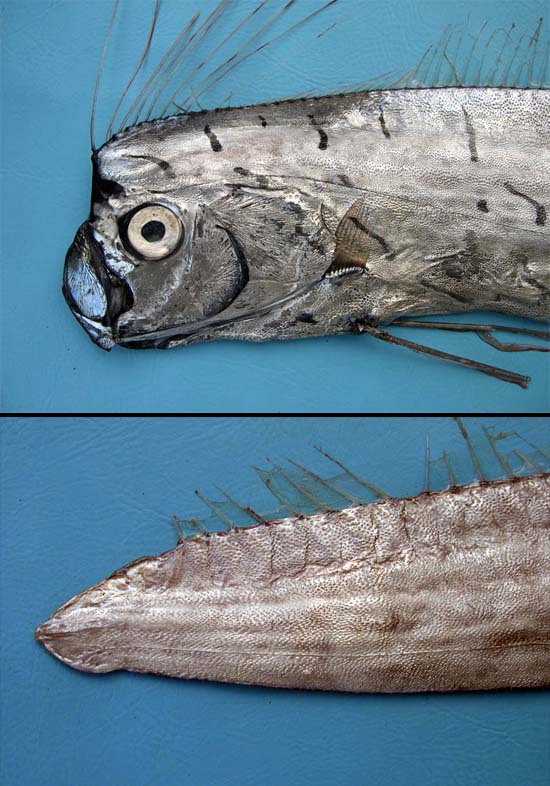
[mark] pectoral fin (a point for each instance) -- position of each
(356, 241)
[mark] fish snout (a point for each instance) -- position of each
(95, 296)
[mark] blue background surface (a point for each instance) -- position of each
(50, 54)
(82, 497)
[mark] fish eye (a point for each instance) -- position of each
(152, 232)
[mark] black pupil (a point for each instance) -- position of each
(153, 231)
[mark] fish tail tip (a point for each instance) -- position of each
(40, 633)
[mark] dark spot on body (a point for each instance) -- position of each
(471, 132)
(540, 219)
(214, 141)
(305, 316)
(264, 121)
(160, 162)
(345, 180)
(240, 170)
(262, 181)
(295, 207)
(453, 270)
(323, 143)
(515, 637)
(382, 120)
(482, 205)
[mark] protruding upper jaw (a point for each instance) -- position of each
(93, 294)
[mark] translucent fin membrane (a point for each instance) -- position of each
(489, 454)
(484, 454)
(465, 57)
(489, 57)
(204, 61)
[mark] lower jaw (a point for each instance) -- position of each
(98, 333)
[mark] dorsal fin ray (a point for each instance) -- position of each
(375, 490)
(486, 454)
(302, 490)
(206, 58)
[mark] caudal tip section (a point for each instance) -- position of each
(41, 632)
(47, 635)
(52, 639)
(79, 648)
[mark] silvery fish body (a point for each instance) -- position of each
(314, 216)
(444, 591)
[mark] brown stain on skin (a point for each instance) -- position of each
(390, 624)
(520, 636)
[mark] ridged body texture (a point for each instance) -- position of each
(445, 591)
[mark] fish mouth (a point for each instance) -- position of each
(190, 333)
(95, 296)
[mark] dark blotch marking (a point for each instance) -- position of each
(264, 121)
(240, 170)
(379, 239)
(214, 141)
(295, 208)
(345, 180)
(540, 220)
(453, 270)
(519, 636)
(262, 181)
(470, 130)
(323, 142)
(305, 316)
(160, 162)
(482, 205)
(382, 120)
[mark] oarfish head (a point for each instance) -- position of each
(189, 238)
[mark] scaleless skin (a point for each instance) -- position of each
(445, 591)
(308, 217)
